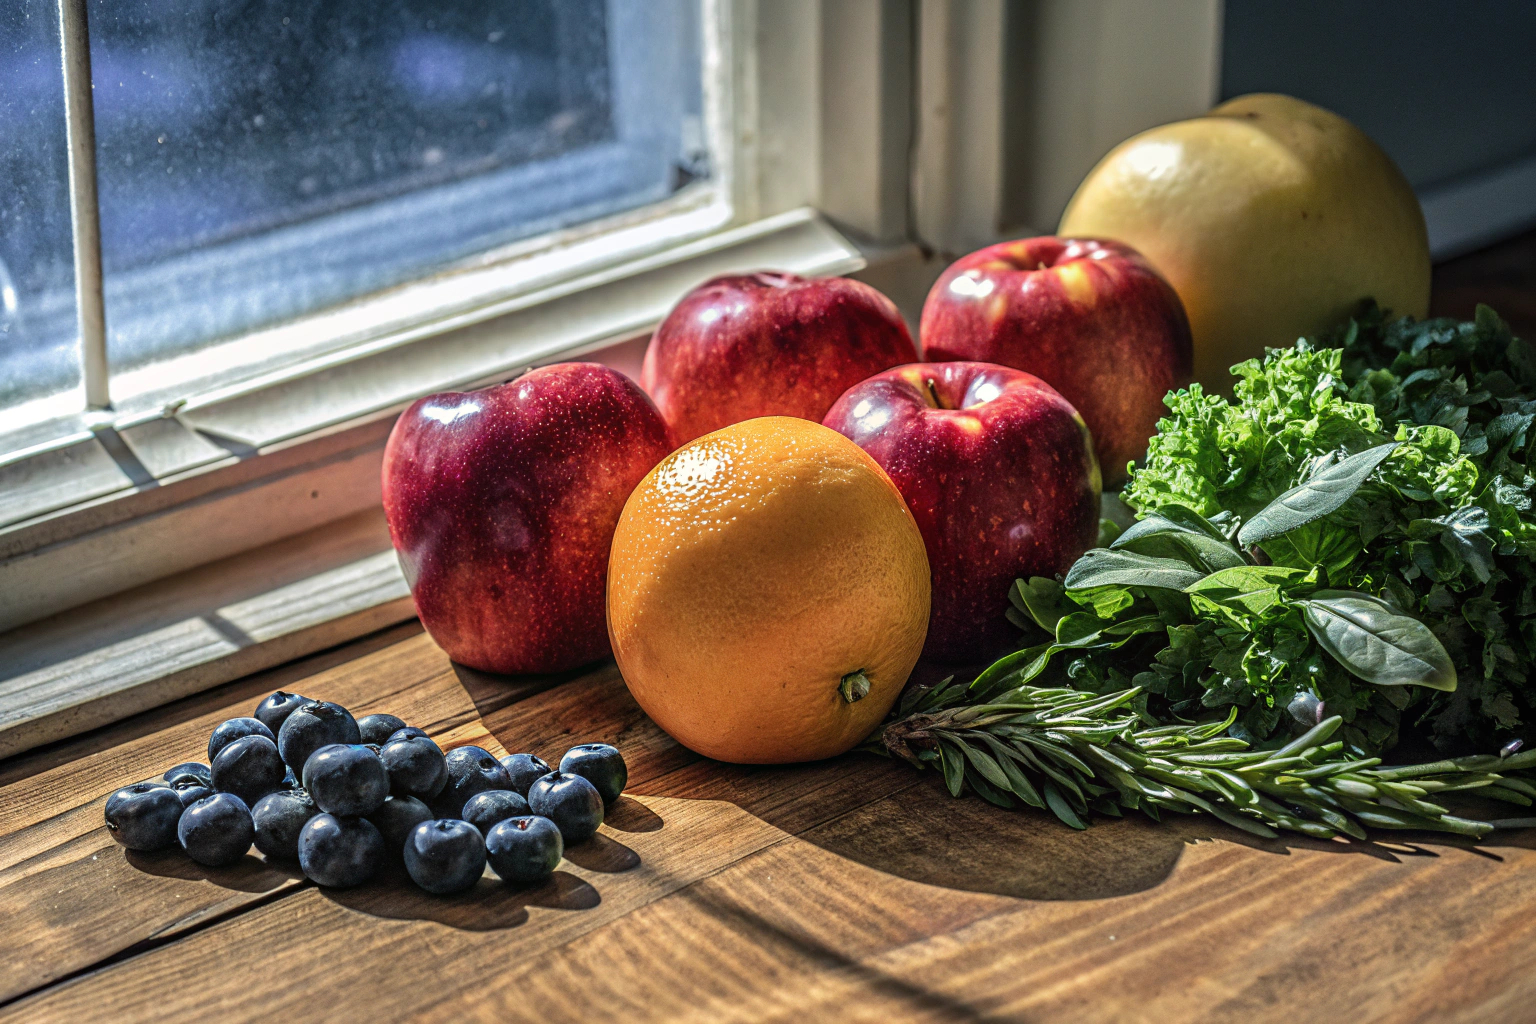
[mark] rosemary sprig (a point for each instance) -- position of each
(1075, 752)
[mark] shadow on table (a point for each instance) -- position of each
(917, 831)
(490, 905)
(250, 873)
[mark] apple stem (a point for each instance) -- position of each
(934, 391)
(854, 687)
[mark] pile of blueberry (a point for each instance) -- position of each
(307, 782)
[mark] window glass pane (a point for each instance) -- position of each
(264, 159)
(38, 352)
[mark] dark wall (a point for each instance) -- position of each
(1447, 87)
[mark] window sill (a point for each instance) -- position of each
(137, 650)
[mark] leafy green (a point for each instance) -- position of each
(1327, 487)
(1376, 643)
(1104, 567)
(1389, 459)
(1247, 636)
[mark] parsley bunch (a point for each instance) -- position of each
(1385, 462)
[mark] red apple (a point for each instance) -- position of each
(1090, 317)
(768, 344)
(502, 505)
(999, 472)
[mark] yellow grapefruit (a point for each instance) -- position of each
(768, 593)
(1271, 218)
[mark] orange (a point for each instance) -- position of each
(760, 576)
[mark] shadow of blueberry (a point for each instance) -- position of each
(630, 815)
(490, 905)
(601, 853)
(249, 874)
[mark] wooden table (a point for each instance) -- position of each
(854, 889)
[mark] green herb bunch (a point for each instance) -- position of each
(1076, 753)
(1438, 530)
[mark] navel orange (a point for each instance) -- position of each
(767, 593)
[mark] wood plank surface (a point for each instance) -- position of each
(853, 889)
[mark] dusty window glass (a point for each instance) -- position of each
(38, 351)
(262, 159)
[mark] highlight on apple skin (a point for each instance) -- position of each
(502, 505)
(1092, 318)
(999, 472)
(768, 344)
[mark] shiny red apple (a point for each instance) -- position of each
(768, 344)
(1092, 318)
(998, 470)
(502, 505)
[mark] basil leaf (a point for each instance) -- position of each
(1246, 579)
(1042, 599)
(1106, 602)
(1466, 537)
(1326, 491)
(1329, 545)
(1243, 591)
(1078, 629)
(1136, 626)
(1108, 567)
(1377, 643)
(1192, 540)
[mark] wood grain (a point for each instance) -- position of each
(853, 889)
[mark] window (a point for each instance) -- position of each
(37, 355)
(261, 161)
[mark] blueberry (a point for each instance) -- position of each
(189, 791)
(340, 852)
(524, 850)
(600, 764)
(485, 809)
(571, 802)
(313, 725)
(471, 770)
(226, 733)
(143, 816)
(187, 769)
(346, 779)
(290, 780)
(279, 819)
(395, 818)
(525, 769)
(249, 767)
(274, 711)
(415, 764)
(378, 728)
(217, 830)
(445, 855)
(407, 733)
